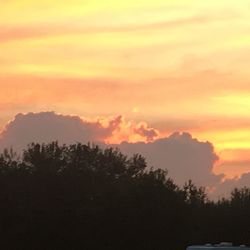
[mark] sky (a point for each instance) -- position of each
(161, 66)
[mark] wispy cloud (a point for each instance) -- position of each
(29, 31)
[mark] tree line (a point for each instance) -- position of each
(84, 197)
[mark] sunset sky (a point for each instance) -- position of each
(175, 65)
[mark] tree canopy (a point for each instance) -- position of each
(84, 197)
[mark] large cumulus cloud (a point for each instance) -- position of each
(183, 156)
(48, 126)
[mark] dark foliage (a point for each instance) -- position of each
(83, 197)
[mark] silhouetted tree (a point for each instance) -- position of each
(84, 197)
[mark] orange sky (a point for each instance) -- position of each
(177, 65)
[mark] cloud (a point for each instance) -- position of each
(18, 32)
(48, 126)
(225, 188)
(149, 133)
(183, 156)
(45, 127)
